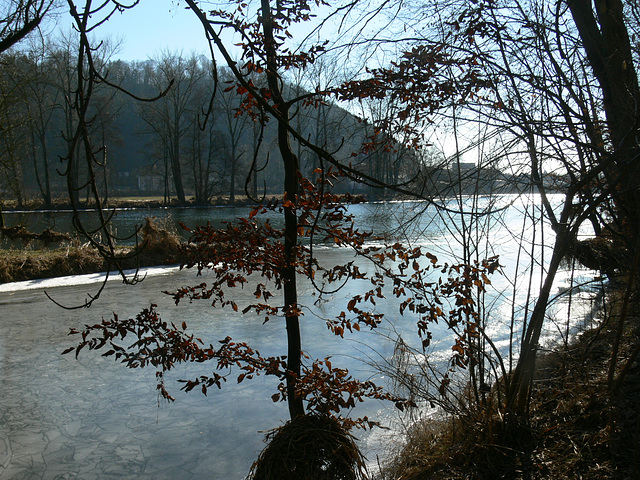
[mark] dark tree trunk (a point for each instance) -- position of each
(232, 179)
(176, 169)
(291, 168)
(606, 42)
(519, 388)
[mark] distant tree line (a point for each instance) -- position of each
(171, 139)
(180, 145)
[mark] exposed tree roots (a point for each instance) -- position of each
(310, 447)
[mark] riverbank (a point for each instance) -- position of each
(583, 425)
(22, 265)
(119, 203)
(158, 246)
(140, 202)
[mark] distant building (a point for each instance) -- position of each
(150, 180)
(464, 166)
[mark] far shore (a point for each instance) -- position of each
(158, 246)
(125, 202)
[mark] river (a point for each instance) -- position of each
(91, 418)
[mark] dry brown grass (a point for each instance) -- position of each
(159, 245)
(310, 447)
(584, 430)
(20, 265)
(578, 429)
(461, 447)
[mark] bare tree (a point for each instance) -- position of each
(18, 18)
(173, 115)
(233, 126)
(43, 97)
(13, 141)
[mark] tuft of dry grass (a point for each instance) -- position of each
(469, 446)
(160, 245)
(310, 447)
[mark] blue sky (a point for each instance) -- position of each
(148, 29)
(154, 26)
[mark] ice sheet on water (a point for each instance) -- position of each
(87, 279)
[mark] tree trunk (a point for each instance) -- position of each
(606, 42)
(519, 388)
(232, 179)
(176, 169)
(291, 169)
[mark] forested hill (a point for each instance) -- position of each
(162, 147)
(182, 146)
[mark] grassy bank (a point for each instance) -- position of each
(580, 427)
(21, 265)
(158, 246)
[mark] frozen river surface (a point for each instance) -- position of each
(91, 418)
